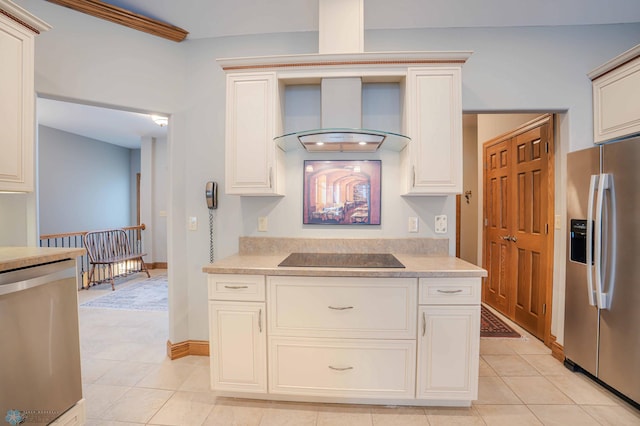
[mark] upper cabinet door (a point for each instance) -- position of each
(432, 161)
(253, 161)
(616, 102)
(17, 98)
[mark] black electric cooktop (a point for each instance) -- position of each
(342, 260)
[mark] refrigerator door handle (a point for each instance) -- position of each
(590, 288)
(603, 185)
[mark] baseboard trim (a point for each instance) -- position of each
(557, 350)
(188, 347)
(157, 265)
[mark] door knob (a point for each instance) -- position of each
(513, 238)
(506, 237)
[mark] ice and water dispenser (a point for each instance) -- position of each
(578, 240)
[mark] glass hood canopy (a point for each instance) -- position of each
(342, 140)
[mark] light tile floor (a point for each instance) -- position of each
(128, 380)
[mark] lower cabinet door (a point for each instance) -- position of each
(448, 352)
(342, 367)
(237, 332)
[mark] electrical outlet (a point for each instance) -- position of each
(413, 224)
(441, 224)
(262, 224)
(193, 223)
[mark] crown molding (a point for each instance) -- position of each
(23, 17)
(125, 17)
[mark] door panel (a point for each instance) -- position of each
(619, 356)
(495, 291)
(518, 209)
(580, 318)
(530, 209)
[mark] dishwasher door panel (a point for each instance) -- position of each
(40, 356)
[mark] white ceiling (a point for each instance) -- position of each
(114, 126)
(215, 18)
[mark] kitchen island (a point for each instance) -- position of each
(400, 335)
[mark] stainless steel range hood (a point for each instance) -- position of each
(341, 98)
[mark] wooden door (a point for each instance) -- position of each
(497, 226)
(530, 228)
(518, 233)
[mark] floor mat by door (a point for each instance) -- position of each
(492, 326)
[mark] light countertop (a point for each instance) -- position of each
(23, 257)
(415, 266)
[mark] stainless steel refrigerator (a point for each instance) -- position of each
(602, 301)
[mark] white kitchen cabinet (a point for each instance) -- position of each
(346, 337)
(237, 333)
(616, 97)
(448, 352)
(18, 29)
(74, 416)
(353, 368)
(339, 339)
(342, 307)
(432, 162)
(238, 338)
(254, 165)
(448, 339)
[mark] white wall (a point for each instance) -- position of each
(134, 164)
(83, 183)
(154, 183)
(15, 218)
(469, 231)
(512, 69)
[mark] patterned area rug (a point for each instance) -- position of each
(492, 326)
(147, 295)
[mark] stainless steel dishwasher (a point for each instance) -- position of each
(39, 343)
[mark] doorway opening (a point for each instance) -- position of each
(520, 273)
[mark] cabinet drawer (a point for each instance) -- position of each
(449, 291)
(342, 307)
(342, 367)
(236, 287)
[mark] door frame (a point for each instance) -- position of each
(548, 338)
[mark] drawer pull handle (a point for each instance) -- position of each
(260, 320)
(340, 368)
(424, 324)
(340, 308)
(450, 291)
(236, 287)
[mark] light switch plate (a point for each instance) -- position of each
(413, 224)
(558, 221)
(193, 223)
(441, 224)
(262, 224)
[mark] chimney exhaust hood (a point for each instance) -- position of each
(341, 30)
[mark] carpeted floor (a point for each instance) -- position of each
(148, 295)
(492, 326)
